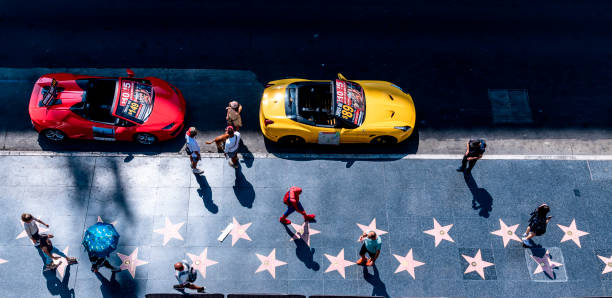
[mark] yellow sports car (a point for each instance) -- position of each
(296, 111)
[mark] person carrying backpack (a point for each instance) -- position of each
(537, 223)
(186, 276)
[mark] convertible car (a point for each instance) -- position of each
(146, 110)
(295, 111)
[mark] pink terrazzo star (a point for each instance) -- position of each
(572, 233)
(201, 262)
(170, 231)
(407, 263)
(63, 263)
(303, 231)
(608, 262)
(545, 264)
(131, 262)
(507, 232)
(269, 263)
(338, 263)
(440, 232)
(371, 227)
(2, 261)
(239, 231)
(476, 264)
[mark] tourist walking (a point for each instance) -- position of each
(186, 276)
(537, 223)
(474, 152)
(292, 200)
(233, 115)
(31, 228)
(97, 262)
(48, 252)
(371, 244)
(228, 143)
(193, 149)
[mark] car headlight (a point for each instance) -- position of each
(403, 128)
(169, 126)
(398, 87)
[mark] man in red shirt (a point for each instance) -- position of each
(292, 200)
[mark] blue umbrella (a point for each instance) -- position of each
(101, 239)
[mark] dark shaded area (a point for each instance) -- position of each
(243, 189)
(374, 279)
(205, 192)
(304, 252)
(57, 287)
(247, 155)
(540, 252)
(209, 295)
(481, 198)
(112, 288)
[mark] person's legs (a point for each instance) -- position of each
(370, 262)
(471, 164)
(301, 211)
(194, 287)
(362, 253)
(283, 218)
(463, 164)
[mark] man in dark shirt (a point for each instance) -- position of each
(475, 149)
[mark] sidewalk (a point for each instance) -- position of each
(403, 197)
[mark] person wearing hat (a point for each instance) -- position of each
(228, 143)
(474, 152)
(233, 115)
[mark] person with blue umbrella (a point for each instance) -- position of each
(100, 240)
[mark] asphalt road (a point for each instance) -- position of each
(447, 54)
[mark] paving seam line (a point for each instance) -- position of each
(313, 156)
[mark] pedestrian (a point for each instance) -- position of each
(474, 152)
(371, 245)
(233, 115)
(97, 262)
(537, 223)
(228, 143)
(186, 276)
(292, 200)
(193, 149)
(48, 250)
(31, 228)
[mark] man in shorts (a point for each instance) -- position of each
(31, 228)
(228, 143)
(186, 276)
(371, 245)
(49, 250)
(193, 149)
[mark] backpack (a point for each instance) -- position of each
(537, 224)
(193, 275)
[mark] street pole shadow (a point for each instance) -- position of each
(380, 289)
(243, 189)
(481, 198)
(304, 252)
(205, 193)
(57, 287)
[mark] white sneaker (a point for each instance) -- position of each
(197, 171)
(525, 241)
(524, 235)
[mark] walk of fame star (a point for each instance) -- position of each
(572, 233)
(338, 263)
(2, 261)
(407, 263)
(63, 263)
(131, 262)
(239, 231)
(371, 227)
(112, 223)
(269, 263)
(201, 262)
(23, 234)
(608, 262)
(440, 232)
(303, 231)
(170, 231)
(507, 232)
(476, 264)
(545, 264)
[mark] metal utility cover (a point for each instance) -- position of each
(510, 106)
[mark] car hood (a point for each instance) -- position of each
(387, 106)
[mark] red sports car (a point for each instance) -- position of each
(144, 110)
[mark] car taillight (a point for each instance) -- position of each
(269, 85)
(268, 122)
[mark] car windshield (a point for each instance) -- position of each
(350, 103)
(310, 103)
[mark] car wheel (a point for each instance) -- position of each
(145, 138)
(384, 140)
(291, 140)
(54, 135)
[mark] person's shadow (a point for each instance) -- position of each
(481, 198)
(57, 287)
(304, 252)
(374, 279)
(243, 189)
(110, 288)
(205, 193)
(247, 156)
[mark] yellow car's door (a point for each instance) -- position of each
(354, 135)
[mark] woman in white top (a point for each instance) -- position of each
(228, 143)
(31, 228)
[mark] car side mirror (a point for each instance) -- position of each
(340, 76)
(130, 73)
